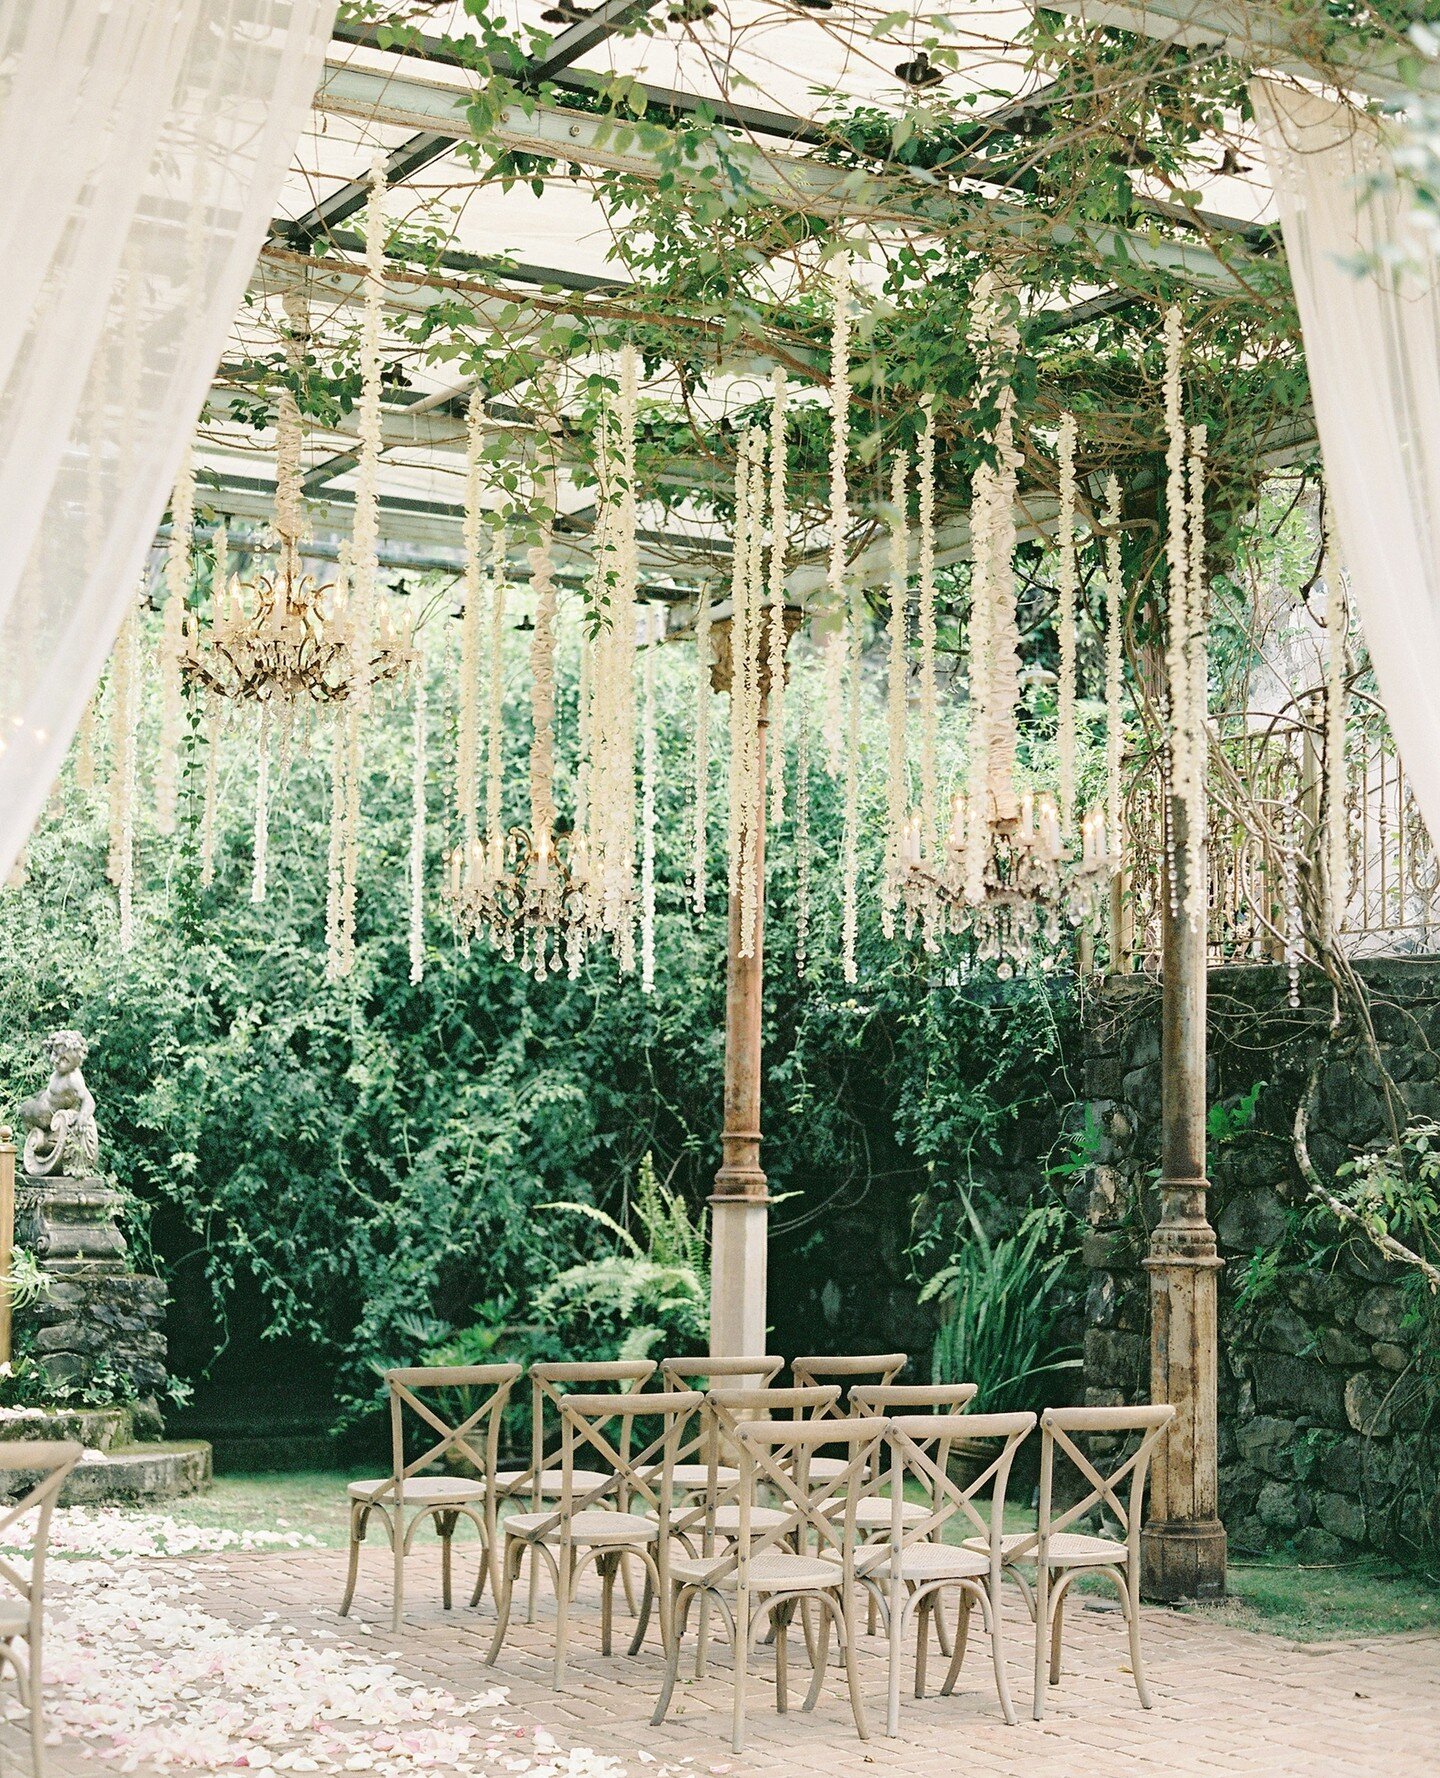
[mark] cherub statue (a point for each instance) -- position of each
(62, 1135)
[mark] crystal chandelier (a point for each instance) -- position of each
(1027, 883)
(284, 641)
(530, 897)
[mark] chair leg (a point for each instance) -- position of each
(445, 1524)
(565, 1567)
(997, 1655)
(608, 1567)
(962, 1639)
(483, 1573)
(672, 1661)
(37, 1723)
(509, 1568)
(359, 1519)
(782, 1659)
(1130, 1599)
(647, 1601)
(845, 1627)
(819, 1660)
(397, 1613)
(898, 1615)
(923, 1614)
(1057, 1630)
(1042, 1637)
(742, 1669)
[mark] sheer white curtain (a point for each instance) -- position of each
(1372, 344)
(143, 143)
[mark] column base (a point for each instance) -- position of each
(1182, 1559)
(739, 1250)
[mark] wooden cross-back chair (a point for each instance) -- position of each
(873, 1514)
(729, 1372)
(847, 1371)
(408, 1496)
(598, 1522)
(544, 1478)
(909, 1573)
(799, 1554)
(1057, 1554)
(22, 1618)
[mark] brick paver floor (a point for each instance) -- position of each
(1226, 1701)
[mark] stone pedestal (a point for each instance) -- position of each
(100, 1320)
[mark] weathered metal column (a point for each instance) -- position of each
(1183, 1541)
(739, 1206)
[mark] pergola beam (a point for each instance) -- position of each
(801, 183)
(1255, 35)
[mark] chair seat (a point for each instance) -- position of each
(771, 1571)
(1068, 1549)
(762, 1518)
(585, 1527)
(697, 1475)
(826, 1469)
(552, 1481)
(419, 1490)
(873, 1513)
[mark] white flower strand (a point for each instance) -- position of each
(654, 630)
(125, 715)
(1197, 691)
(365, 536)
(467, 736)
(925, 616)
(261, 860)
(214, 724)
(335, 862)
(897, 789)
(542, 678)
(495, 698)
(1114, 667)
(779, 538)
(1065, 727)
(839, 425)
(700, 855)
(1337, 624)
(802, 828)
(1178, 676)
(753, 699)
(172, 641)
(850, 833)
(418, 768)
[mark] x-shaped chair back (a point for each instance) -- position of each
(848, 1371)
(549, 1385)
(818, 1512)
(54, 1459)
(476, 1438)
(635, 1478)
(725, 1409)
(725, 1373)
(920, 1446)
(912, 1398)
(1059, 1429)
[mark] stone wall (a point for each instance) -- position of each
(1319, 1406)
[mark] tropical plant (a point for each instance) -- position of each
(652, 1291)
(1001, 1302)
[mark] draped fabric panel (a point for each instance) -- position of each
(143, 146)
(1372, 344)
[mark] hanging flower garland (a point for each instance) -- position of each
(1197, 696)
(1065, 729)
(542, 680)
(897, 790)
(1337, 625)
(125, 723)
(467, 737)
(418, 766)
(1180, 676)
(172, 640)
(1114, 664)
(495, 694)
(654, 629)
(747, 791)
(850, 832)
(700, 849)
(837, 648)
(779, 538)
(925, 627)
(365, 535)
(802, 827)
(219, 580)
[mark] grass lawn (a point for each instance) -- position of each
(1315, 1604)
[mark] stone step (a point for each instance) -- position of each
(161, 1471)
(98, 1429)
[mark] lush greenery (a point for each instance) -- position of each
(371, 1162)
